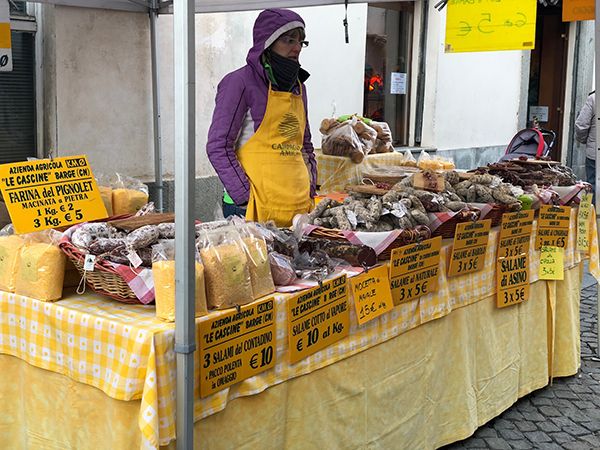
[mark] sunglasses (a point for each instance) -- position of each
(291, 42)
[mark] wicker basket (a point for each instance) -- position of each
(498, 210)
(448, 228)
(104, 279)
(406, 237)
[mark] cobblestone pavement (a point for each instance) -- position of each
(565, 415)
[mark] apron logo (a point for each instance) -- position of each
(289, 127)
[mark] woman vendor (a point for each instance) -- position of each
(259, 140)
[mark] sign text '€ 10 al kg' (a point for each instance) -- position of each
(236, 345)
(317, 318)
(512, 266)
(44, 194)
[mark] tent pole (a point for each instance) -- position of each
(158, 171)
(185, 171)
(597, 85)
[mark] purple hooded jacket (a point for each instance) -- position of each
(240, 107)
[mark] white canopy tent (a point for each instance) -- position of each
(200, 6)
(185, 134)
(185, 147)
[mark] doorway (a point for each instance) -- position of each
(547, 75)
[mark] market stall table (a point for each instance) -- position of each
(429, 383)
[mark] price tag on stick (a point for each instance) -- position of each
(552, 263)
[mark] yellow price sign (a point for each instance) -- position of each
(573, 10)
(317, 318)
(414, 269)
(552, 263)
(5, 39)
(512, 285)
(470, 247)
(237, 345)
(486, 25)
(372, 294)
(44, 194)
(584, 214)
(515, 232)
(553, 226)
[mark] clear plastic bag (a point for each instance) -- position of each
(128, 195)
(105, 188)
(434, 162)
(163, 273)
(281, 269)
(258, 260)
(41, 267)
(383, 141)
(366, 134)
(409, 159)
(226, 270)
(344, 141)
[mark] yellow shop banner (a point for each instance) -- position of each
(573, 10)
(486, 25)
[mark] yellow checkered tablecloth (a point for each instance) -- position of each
(336, 172)
(128, 354)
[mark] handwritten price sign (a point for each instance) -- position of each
(372, 295)
(552, 263)
(485, 25)
(317, 318)
(583, 222)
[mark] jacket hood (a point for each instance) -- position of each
(269, 25)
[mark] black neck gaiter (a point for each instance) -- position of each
(285, 71)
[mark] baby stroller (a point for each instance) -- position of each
(533, 143)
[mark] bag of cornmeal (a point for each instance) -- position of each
(10, 246)
(41, 271)
(127, 201)
(163, 273)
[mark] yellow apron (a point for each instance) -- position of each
(272, 159)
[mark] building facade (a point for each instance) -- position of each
(93, 90)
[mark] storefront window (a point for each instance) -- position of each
(387, 66)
